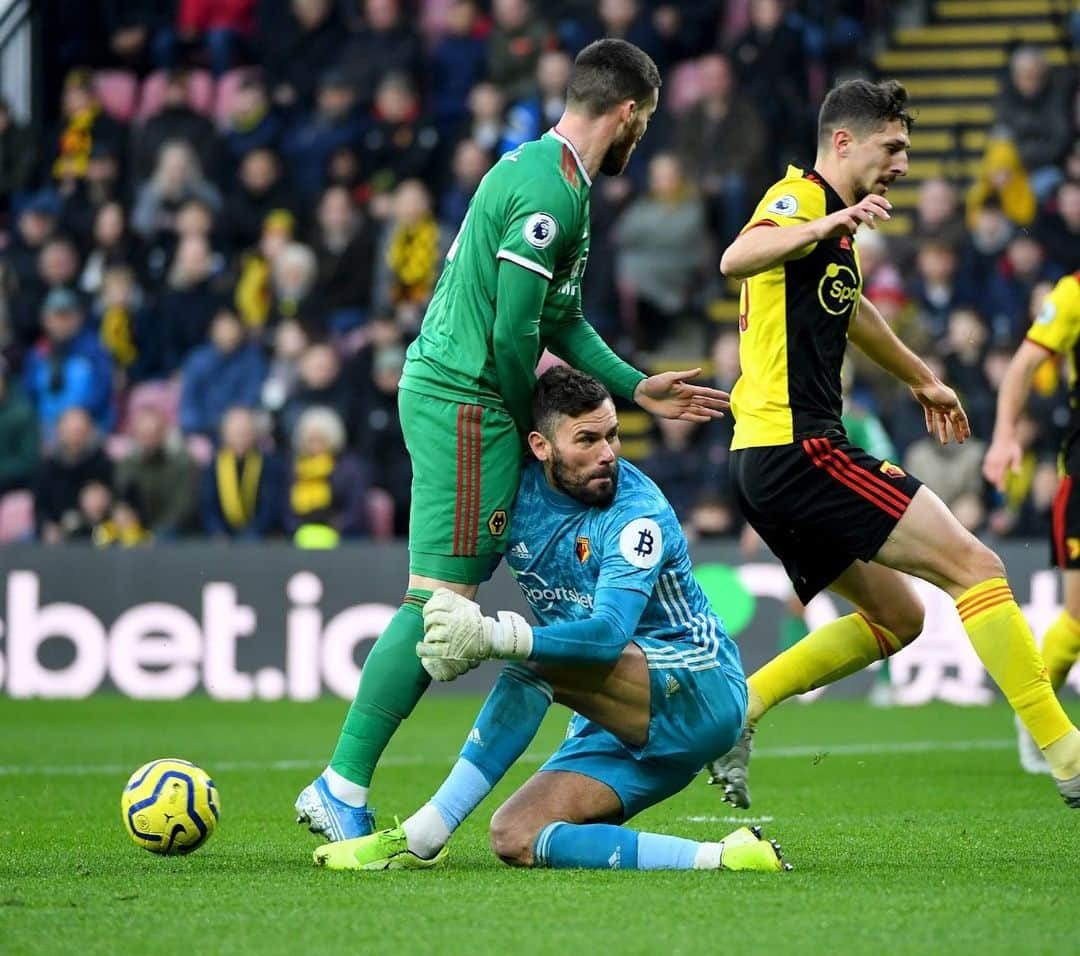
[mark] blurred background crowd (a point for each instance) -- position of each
(221, 231)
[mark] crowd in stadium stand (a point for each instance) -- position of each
(227, 231)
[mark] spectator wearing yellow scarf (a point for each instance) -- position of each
(412, 250)
(242, 486)
(327, 489)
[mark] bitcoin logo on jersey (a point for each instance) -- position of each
(644, 544)
(641, 542)
(838, 289)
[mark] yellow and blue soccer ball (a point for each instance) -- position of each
(170, 806)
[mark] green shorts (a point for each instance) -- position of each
(466, 460)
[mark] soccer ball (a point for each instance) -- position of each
(170, 806)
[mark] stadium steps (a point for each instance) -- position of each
(636, 429)
(953, 67)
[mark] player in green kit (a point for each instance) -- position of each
(511, 287)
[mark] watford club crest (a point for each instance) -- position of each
(582, 549)
(893, 471)
(497, 523)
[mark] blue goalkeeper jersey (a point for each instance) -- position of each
(563, 553)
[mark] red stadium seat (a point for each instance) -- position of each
(16, 516)
(380, 508)
(200, 93)
(227, 87)
(118, 91)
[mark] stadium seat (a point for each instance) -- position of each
(118, 91)
(16, 516)
(200, 93)
(380, 508)
(225, 93)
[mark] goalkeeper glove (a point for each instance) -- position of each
(457, 635)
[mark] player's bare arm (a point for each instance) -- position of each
(870, 333)
(1004, 454)
(762, 247)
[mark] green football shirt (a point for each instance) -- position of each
(531, 212)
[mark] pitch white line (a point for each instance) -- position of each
(531, 757)
(745, 821)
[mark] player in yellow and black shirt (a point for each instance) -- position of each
(836, 516)
(1055, 332)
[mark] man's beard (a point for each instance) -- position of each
(618, 155)
(579, 489)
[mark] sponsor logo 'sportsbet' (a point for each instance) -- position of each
(540, 230)
(784, 206)
(642, 543)
(543, 596)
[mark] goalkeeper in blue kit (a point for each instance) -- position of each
(626, 639)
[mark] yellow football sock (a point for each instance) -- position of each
(835, 650)
(1061, 647)
(1002, 639)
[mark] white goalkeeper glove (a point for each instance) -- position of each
(457, 636)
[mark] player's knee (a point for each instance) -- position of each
(907, 619)
(512, 839)
(985, 565)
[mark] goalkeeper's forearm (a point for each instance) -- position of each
(599, 639)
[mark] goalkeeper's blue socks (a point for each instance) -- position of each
(600, 846)
(506, 725)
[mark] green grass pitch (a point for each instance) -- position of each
(912, 831)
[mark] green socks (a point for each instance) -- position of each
(393, 680)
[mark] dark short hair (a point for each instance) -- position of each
(562, 390)
(863, 107)
(606, 73)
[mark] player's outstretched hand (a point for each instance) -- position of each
(670, 395)
(865, 212)
(456, 635)
(1002, 457)
(944, 413)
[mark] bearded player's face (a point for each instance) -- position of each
(584, 456)
(627, 137)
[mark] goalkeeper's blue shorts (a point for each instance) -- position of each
(698, 705)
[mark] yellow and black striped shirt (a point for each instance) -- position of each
(793, 321)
